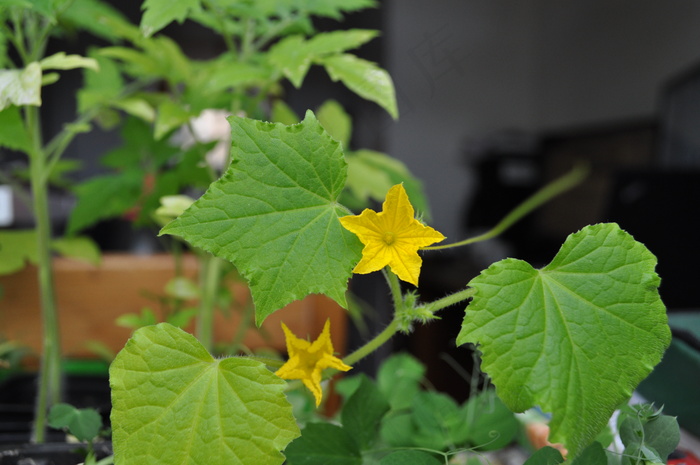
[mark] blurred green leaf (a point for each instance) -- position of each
(410, 457)
(80, 248)
(13, 133)
(183, 288)
(294, 55)
(336, 121)
(84, 423)
(160, 13)
(323, 444)
(20, 86)
(364, 78)
(17, 247)
(62, 61)
(363, 411)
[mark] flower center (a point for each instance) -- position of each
(389, 238)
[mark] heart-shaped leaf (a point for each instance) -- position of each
(274, 214)
(575, 337)
(167, 390)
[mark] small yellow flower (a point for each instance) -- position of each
(392, 237)
(308, 360)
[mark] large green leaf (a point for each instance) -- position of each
(172, 402)
(274, 214)
(575, 337)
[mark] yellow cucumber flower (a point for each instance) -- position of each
(307, 360)
(392, 237)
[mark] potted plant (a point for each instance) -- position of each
(573, 338)
(546, 336)
(245, 78)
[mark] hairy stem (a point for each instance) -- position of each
(373, 344)
(451, 299)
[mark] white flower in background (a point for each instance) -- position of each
(211, 125)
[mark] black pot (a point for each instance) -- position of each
(60, 453)
(17, 395)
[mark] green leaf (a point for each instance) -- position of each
(363, 411)
(172, 402)
(81, 248)
(274, 215)
(323, 444)
(170, 116)
(16, 249)
(100, 19)
(438, 420)
(399, 380)
(331, 8)
(412, 457)
(137, 107)
(294, 55)
(545, 456)
(62, 61)
(104, 197)
(490, 424)
(135, 321)
(371, 174)
(283, 113)
(336, 122)
(327, 43)
(183, 288)
(84, 423)
(20, 86)
(645, 432)
(160, 13)
(592, 455)
(398, 430)
(575, 337)
(364, 78)
(101, 87)
(13, 134)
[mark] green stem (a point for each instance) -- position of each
(49, 391)
(372, 345)
(210, 273)
(548, 192)
(451, 299)
(247, 40)
(395, 288)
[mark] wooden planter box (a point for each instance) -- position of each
(91, 298)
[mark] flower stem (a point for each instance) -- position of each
(451, 299)
(548, 192)
(374, 343)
